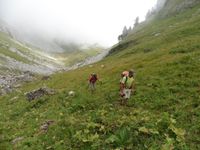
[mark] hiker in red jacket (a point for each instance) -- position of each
(92, 82)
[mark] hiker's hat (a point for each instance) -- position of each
(125, 73)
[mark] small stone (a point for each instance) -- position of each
(102, 66)
(71, 93)
(16, 140)
(45, 77)
(14, 98)
(44, 127)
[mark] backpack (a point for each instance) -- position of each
(93, 78)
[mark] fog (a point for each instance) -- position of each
(160, 4)
(84, 21)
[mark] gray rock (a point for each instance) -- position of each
(16, 140)
(39, 93)
(45, 77)
(8, 89)
(17, 86)
(45, 126)
(157, 34)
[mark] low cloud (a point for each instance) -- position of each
(88, 21)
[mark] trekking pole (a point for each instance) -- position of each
(88, 86)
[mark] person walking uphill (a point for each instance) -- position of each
(92, 82)
(127, 86)
(123, 80)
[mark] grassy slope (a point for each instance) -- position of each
(35, 54)
(5, 43)
(163, 114)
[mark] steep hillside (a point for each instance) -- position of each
(17, 56)
(163, 113)
(20, 61)
(174, 7)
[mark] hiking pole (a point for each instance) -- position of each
(88, 86)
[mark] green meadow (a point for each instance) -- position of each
(163, 113)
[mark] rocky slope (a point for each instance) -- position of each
(174, 7)
(17, 58)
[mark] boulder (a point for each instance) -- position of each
(71, 93)
(45, 77)
(35, 94)
(6, 90)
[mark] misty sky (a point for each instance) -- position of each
(97, 21)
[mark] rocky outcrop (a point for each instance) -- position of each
(172, 7)
(9, 82)
(35, 94)
(45, 78)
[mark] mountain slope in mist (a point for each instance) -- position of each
(162, 114)
(39, 54)
(16, 56)
(166, 8)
